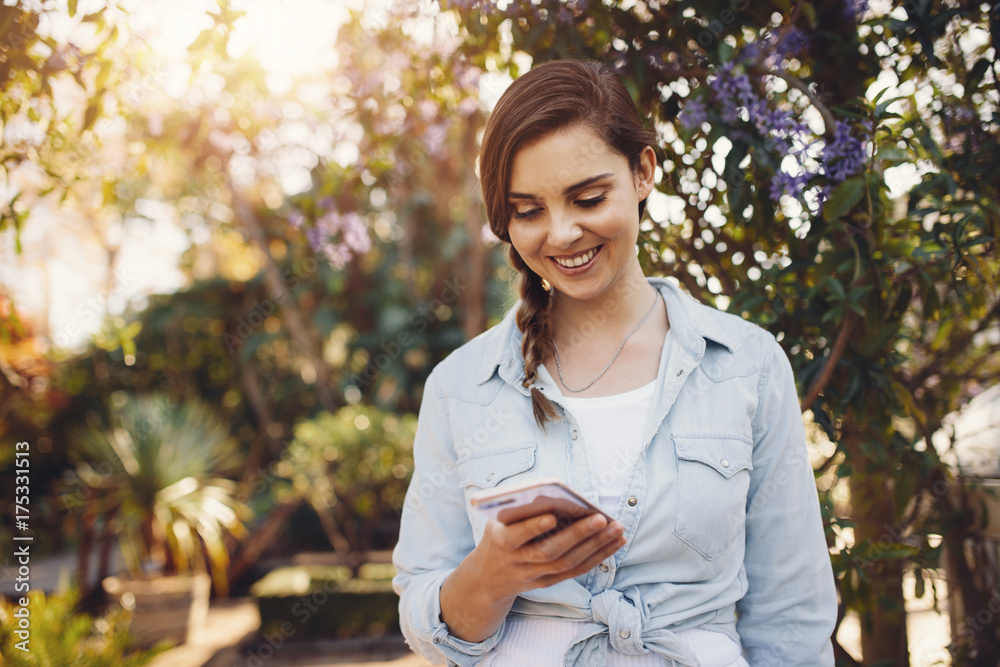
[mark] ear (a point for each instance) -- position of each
(646, 173)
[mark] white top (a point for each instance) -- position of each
(540, 642)
(612, 428)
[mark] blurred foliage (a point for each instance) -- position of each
(353, 468)
(885, 301)
(61, 636)
(887, 306)
(156, 471)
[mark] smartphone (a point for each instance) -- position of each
(547, 495)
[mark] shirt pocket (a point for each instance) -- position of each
(713, 477)
(485, 469)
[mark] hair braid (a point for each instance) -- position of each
(534, 321)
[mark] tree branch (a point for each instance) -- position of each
(289, 311)
(828, 119)
(831, 362)
(957, 346)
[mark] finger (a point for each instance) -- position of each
(566, 539)
(584, 566)
(562, 553)
(520, 533)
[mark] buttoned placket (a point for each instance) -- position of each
(674, 367)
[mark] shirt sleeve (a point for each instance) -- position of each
(789, 612)
(435, 535)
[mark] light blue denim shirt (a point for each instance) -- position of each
(720, 512)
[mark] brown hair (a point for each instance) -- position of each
(549, 97)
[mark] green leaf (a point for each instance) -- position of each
(837, 288)
(893, 154)
(976, 74)
(880, 110)
(72, 8)
(96, 16)
(843, 198)
(90, 115)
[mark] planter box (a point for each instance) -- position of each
(316, 602)
(165, 608)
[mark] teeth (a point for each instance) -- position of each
(577, 261)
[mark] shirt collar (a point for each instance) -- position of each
(691, 323)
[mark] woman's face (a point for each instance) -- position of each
(576, 210)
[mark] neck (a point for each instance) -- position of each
(609, 316)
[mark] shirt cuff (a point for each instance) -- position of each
(460, 653)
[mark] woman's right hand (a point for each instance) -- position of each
(508, 560)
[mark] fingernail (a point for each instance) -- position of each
(596, 521)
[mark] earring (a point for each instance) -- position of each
(546, 285)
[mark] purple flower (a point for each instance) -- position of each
(296, 218)
(337, 236)
(468, 77)
(435, 136)
(356, 233)
(792, 43)
(855, 9)
(786, 184)
(315, 237)
(732, 92)
(337, 254)
(845, 155)
(693, 114)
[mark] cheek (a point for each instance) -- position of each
(523, 239)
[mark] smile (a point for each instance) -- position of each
(578, 260)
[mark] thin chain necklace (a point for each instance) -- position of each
(617, 352)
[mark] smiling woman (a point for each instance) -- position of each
(701, 563)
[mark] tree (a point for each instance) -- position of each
(778, 140)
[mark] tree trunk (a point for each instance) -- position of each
(474, 300)
(86, 541)
(883, 628)
(261, 538)
(290, 314)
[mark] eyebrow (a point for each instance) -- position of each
(570, 189)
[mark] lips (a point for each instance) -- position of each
(577, 260)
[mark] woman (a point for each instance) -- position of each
(680, 421)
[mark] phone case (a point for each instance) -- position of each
(523, 500)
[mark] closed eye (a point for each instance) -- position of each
(592, 202)
(527, 215)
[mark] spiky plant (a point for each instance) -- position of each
(159, 470)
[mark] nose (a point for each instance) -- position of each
(564, 229)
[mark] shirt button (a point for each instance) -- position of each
(724, 463)
(604, 567)
(680, 373)
(633, 501)
(574, 435)
(489, 478)
(437, 640)
(624, 634)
